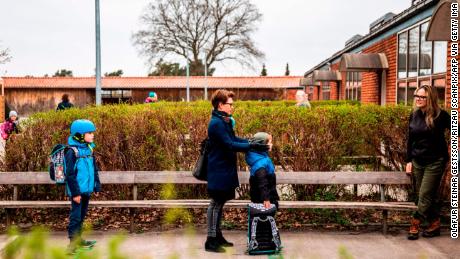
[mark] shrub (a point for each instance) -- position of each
(166, 136)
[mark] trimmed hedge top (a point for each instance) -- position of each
(166, 135)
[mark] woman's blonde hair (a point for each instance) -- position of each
(432, 110)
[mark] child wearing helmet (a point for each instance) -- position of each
(82, 179)
(262, 180)
(152, 98)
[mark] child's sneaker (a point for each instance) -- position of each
(87, 244)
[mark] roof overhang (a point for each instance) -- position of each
(326, 75)
(363, 62)
(308, 81)
(439, 28)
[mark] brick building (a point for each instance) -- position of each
(33, 94)
(386, 65)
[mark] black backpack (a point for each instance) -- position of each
(263, 235)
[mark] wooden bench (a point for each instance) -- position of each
(135, 178)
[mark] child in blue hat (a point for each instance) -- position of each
(82, 179)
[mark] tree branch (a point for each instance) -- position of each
(220, 28)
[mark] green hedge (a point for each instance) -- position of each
(165, 136)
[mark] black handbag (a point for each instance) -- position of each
(200, 171)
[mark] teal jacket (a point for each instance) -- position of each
(258, 160)
(81, 173)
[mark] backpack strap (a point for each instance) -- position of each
(253, 244)
(75, 150)
(77, 153)
(275, 233)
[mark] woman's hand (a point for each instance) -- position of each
(409, 168)
(259, 147)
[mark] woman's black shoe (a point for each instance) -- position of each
(223, 242)
(213, 245)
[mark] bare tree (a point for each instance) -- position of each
(4, 55)
(221, 29)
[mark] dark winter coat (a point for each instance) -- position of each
(64, 105)
(222, 160)
(263, 178)
(427, 145)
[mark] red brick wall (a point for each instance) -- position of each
(334, 92)
(334, 85)
(343, 86)
(320, 91)
(370, 88)
(309, 92)
(315, 93)
(370, 84)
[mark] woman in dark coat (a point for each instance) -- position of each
(427, 155)
(222, 165)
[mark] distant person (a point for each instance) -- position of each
(302, 99)
(152, 98)
(427, 157)
(65, 104)
(10, 125)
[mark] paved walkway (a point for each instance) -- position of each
(306, 244)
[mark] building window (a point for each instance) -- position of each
(402, 54)
(420, 62)
(353, 86)
(440, 57)
(428, 56)
(411, 87)
(106, 94)
(402, 87)
(426, 49)
(413, 51)
(118, 94)
(326, 90)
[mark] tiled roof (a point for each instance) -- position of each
(152, 82)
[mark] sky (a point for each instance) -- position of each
(46, 35)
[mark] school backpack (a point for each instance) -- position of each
(57, 163)
(263, 235)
